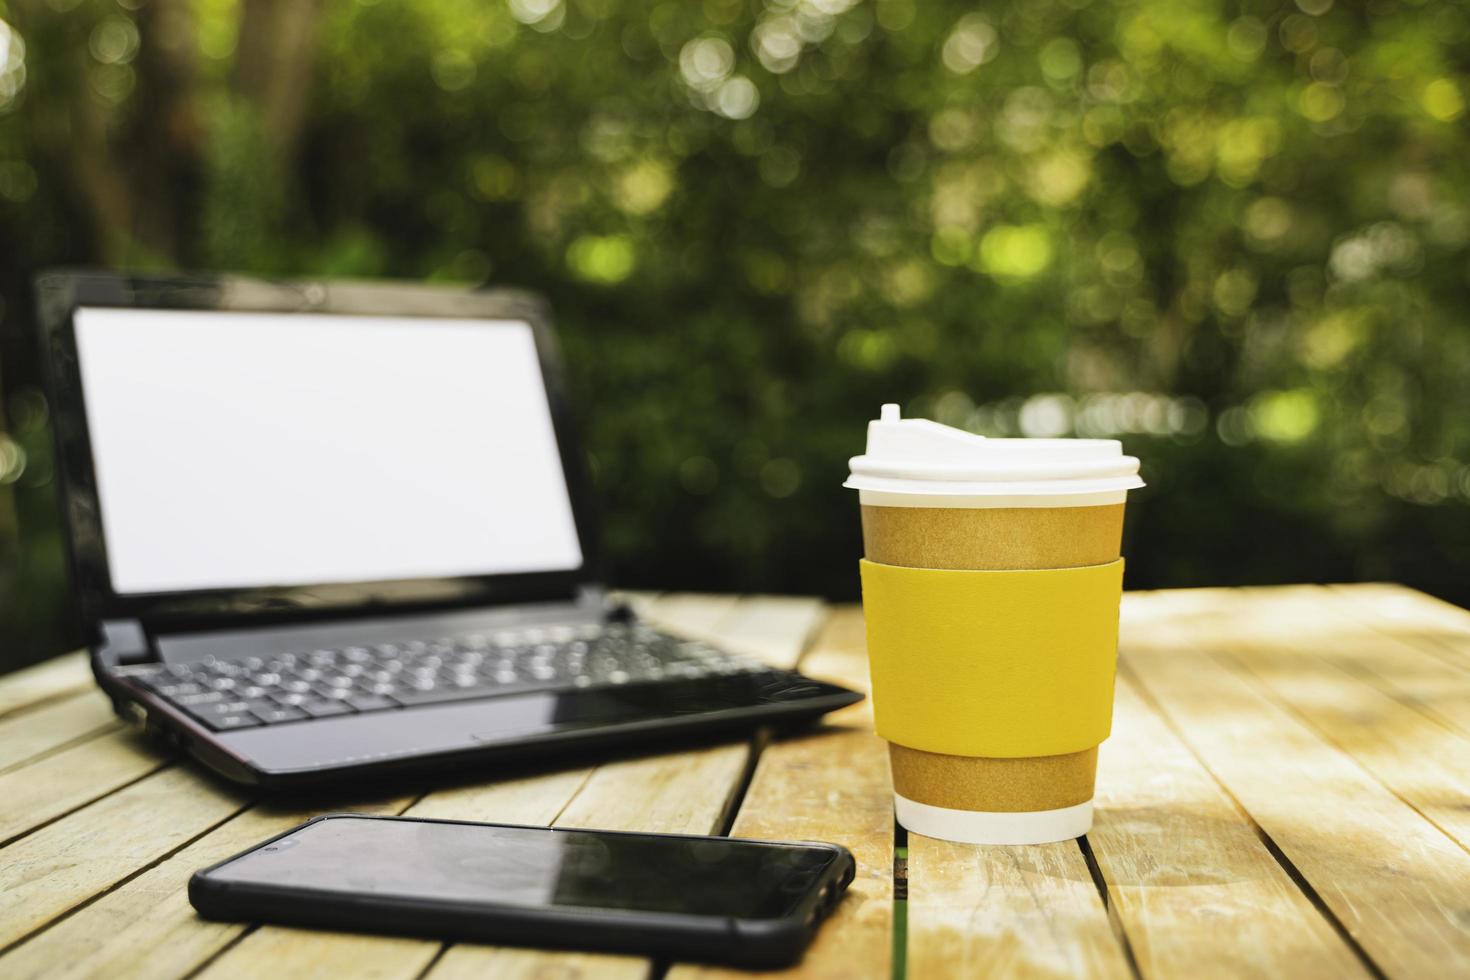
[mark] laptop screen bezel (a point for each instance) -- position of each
(59, 296)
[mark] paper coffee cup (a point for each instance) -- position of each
(991, 584)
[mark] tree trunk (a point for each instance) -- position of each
(273, 64)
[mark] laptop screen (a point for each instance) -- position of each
(240, 450)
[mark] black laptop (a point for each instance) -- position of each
(322, 531)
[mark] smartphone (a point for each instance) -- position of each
(671, 896)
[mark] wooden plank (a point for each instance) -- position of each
(1317, 624)
(1424, 761)
(1190, 882)
(1413, 611)
(509, 963)
(72, 777)
(44, 681)
(798, 793)
(678, 793)
(774, 629)
(1436, 681)
(58, 867)
(146, 927)
(688, 614)
(288, 954)
(535, 800)
(977, 911)
(45, 728)
(1394, 881)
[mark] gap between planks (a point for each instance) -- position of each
(113, 891)
(1355, 698)
(1252, 911)
(1393, 880)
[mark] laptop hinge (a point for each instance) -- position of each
(124, 641)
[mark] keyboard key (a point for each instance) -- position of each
(223, 714)
(204, 697)
(225, 723)
(272, 713)
(324, 709)
(178, 689)
(371, 702)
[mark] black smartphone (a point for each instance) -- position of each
(674, 896)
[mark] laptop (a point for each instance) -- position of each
(327, 531)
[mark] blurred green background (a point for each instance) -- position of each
(1231, 234)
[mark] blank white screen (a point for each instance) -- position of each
(236, 450)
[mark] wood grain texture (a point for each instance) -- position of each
(1312, 623)
(44, 789)
(690, 614)
(486, 962)
(1190, 881)
(1336, 718)
(1397, 884)
(34, 685)
(1435, 679)
(1409, 613)
(58, 867)
(146, 927)
(797, 793)
(673, 793)
(775, 629)
(45, 728)
(308, 954)
(1357, 701)
(978, 911)
(536, 799)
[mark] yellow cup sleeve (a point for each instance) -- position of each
(1002, 664)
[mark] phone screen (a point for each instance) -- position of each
(532, 867)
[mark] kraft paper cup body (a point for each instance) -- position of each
(1050, 504)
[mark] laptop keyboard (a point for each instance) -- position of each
(292, 687)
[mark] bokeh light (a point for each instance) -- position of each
(1236, 237)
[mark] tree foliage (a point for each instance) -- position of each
(1233, 234)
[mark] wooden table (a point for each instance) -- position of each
(1286, 793)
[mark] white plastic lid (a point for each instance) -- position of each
(920, 457)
